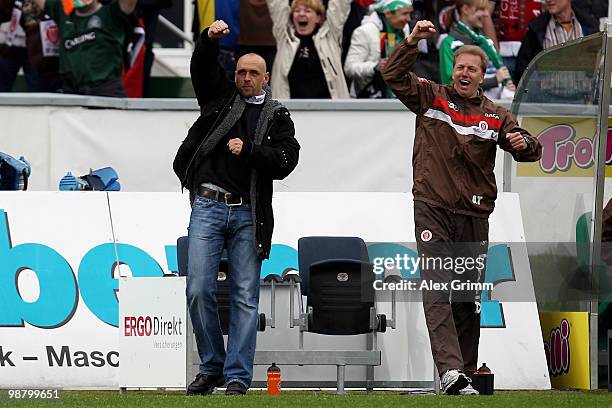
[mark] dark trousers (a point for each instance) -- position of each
(446, 242)
(10, 62)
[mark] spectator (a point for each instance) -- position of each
(359, 9)
(133, 75)
(559, 24)
(13, 52)
(445, 10)
(256, 31)
(42, 42)
(512, 18)
(203, 16)
(372, 43)
(488, 26)
(428, 64)
(308, 41)
(91, 44)
(597, 9)
(208, 11)
(149, 11)
(229, 11)
(467, 23)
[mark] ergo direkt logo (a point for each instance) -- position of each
(146, 326)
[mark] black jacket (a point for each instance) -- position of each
(272, 155)
(533, 42)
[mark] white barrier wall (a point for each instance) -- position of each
(347, 146)
(62, 253)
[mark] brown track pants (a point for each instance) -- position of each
(450, 315)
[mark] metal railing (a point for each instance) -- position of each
(175, 30)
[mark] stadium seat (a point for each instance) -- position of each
(337, 280)
(336, 276)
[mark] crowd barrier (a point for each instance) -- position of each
(353, 145)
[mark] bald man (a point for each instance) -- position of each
(242, 141)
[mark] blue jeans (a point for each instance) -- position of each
(213, 226)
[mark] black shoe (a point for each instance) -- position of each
(205, 384)
(235, 388)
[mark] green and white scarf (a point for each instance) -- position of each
(382, 6)
(483, 42)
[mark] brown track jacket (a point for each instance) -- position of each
(456, 139)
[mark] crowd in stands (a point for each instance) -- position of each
(313, 48)
(89, 47)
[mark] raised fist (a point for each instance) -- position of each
(218, 29)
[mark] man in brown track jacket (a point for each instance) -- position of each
(457, 133)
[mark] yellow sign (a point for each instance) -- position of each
(566, 344)
(567, 147)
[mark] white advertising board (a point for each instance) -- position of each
(152, 332)
(50, 332)
(59, 314)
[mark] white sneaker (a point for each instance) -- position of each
(453, 381)
(469, 390)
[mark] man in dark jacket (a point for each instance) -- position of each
(241, 142)
(458, 131)
(559, 24)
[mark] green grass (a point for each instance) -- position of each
(299, 399)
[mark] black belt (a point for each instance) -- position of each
(229, 199)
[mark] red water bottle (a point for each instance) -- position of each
(274, 380)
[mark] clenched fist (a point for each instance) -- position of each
(218, 29)
(517, 141)
(235, 146)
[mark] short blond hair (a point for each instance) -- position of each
(479, 4)
(473, 50)
(316, 5)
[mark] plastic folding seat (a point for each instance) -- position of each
(336, 277)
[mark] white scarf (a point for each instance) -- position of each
(257, 99)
